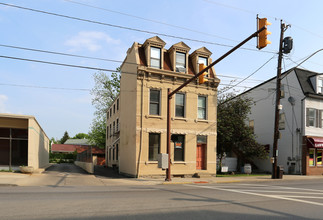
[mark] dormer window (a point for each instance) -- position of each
(180, 62)
(155, 54)
(204, 61)
(320, 85)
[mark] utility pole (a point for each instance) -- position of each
(277, 107)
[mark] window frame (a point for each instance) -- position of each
(310, 118)
(205, 108)
(206, 63)
(155, 103)
(155, 58)
(152, 148)
(320, 88)
(183, 106)
(182, 150)
(179, 64)
(309, 157)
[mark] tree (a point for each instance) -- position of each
(64, 138)
(233, 133)
(104, 93)
(81, 136)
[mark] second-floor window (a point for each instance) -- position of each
(180, 105)
(204, 61)
(311, 117)
(155, 54)
(201, 107)
(154, 102)
(180, 62)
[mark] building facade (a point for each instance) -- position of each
(147, 73)
(22, 143)
(300, 146)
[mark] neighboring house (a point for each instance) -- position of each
(136, 121)
(81, 145)
(300, 146)
(22, 142)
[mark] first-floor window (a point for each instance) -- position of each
(319, 157)
(179, 147)
(311, 158)
(154, 146)
(117, 152)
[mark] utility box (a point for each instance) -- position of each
(163, 161)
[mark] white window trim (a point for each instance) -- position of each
(160, 102)
(206, 108)
(185, 102)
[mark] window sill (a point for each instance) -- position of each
(179, 119)
(178, 162)
(151, 162)
(154, 116)
(201, 120)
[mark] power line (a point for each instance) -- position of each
(43, 87)
(150, 20)
(128, 28)
(60, 53)
(249, 75)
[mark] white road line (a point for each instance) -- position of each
(305, 197)
(272, 191)
(258, 194)
(285, 187)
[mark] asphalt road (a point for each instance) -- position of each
(270, 200)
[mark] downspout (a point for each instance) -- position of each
(141, 124)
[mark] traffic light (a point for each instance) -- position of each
(262, 36)
(202, 78)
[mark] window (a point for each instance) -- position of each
(155, 57)
(110, 153)
(110, 130)
(114, 127)
(201, 139)
(114, 108)
(281, 125)
(319, 157)
(321, 118)
(117, 104)
(154, 102)
(107, 132)
(201, 105)
(110, 112)
(311, 158)
(117, 152)
(180, 62)
(204, 61)
(117, 125)
(180, 105)
(108, 116)
(179, 146)
(113, 153)
(319, 85)
(311, 117)
(154, 146)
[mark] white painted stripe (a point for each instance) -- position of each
(258, 194)
(272, 191)
(284, 187)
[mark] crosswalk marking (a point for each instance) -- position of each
(242, 191)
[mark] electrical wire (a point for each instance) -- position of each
(128, 28)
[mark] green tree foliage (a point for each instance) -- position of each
(81, 136)
(233, 133)
(64, 138)
(105, 90)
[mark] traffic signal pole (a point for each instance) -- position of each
(170, 94)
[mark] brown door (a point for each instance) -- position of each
(200, 156)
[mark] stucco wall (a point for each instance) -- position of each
(38, 146)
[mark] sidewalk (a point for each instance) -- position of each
(66, 179)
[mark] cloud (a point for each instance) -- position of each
(3, 99)
(90, 40)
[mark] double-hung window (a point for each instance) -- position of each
(201, 107)
(179, 148)
(204, 61)
(155, 54)
(180, 62)
(180, 105)
(320, 85)
(154, 146)
(311, 117)
(154, 102)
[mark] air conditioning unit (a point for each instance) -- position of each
(181, 69)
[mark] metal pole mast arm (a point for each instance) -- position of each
(217, 61)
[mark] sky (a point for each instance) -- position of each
(59, 96)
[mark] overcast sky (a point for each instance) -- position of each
(58, 96)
